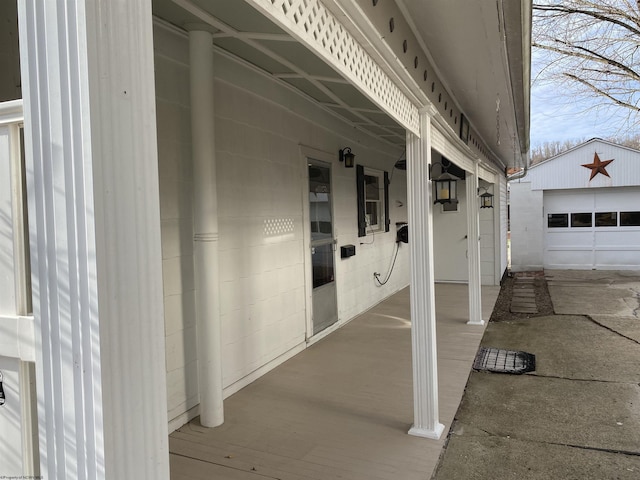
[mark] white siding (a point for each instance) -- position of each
(566, 171)
(503, 228)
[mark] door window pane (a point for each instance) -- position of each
(320, 202)
(557, 220)
(581, 219)
(322, 260)
(608, 219)
(630, 219)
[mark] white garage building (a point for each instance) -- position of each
(578, 210)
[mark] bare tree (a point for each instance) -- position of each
(547, 150)
(591, 49)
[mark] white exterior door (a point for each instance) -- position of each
(592, 229)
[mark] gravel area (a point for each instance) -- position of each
(501, 310)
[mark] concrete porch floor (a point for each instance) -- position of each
(342, 407)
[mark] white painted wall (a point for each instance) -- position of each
(262, 184)
(527, 227)
(449, 240)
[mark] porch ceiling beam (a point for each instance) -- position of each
(279, 37)
(325, 106)
(339, 80)
(315, 26)
(216, 23)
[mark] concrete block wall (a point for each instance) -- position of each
(527, 227)
(262, 130)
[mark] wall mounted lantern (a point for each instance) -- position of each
(486, 199)
(347, 157)
(445, 185)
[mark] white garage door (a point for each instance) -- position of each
(592, 229)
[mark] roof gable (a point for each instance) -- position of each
(593, 164)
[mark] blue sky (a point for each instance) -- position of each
(556, 115)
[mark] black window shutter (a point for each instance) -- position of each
(362, 223)
(387, 220)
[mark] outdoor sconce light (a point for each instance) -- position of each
(445, 185)
(347, 157)
(486, 199)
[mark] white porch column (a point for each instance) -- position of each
(473, 247)
(94, 227)
(205, 229)
(423, 313)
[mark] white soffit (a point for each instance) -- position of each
(480, 51)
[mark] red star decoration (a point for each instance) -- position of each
(597, 166)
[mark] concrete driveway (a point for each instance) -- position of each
(577, 416)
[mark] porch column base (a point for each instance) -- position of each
(434, 434)
(476, 322)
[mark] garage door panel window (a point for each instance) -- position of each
(581, 220)
(630, 219)
(606, 219)
(558, 220)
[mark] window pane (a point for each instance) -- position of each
(581, 219)
(630, 219)
(372, 184)
(372, 213)
(608, 219)
(557, 220)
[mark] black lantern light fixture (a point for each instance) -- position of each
(347, 157)
(445, 185)
(486, 198)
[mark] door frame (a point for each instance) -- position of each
(309, 153)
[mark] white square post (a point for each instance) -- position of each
(473, 247)
(94, 227)
(423, 313)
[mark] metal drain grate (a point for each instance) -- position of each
(504, 361)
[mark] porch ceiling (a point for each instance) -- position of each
(483, 59)
(245, 33)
